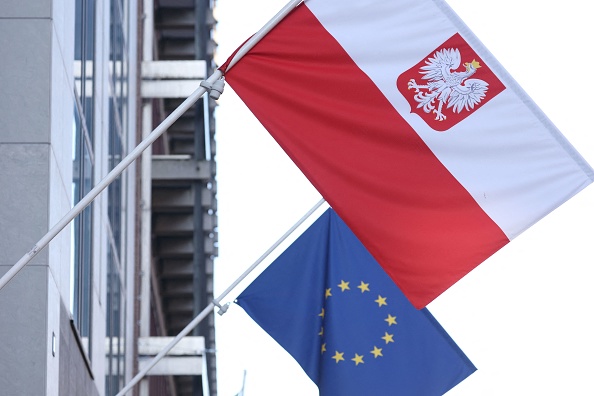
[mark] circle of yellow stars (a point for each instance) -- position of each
(387, 337)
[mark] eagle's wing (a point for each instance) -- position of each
(468, 95)
(441, 64)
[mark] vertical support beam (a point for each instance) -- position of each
(133, 194)
(145, 235)
(145, 230)
(199, 298)
(145, 190)
(202, 36)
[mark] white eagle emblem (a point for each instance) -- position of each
(449, 87)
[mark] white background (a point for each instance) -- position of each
(524, 317)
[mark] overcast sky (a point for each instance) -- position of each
(524, 317)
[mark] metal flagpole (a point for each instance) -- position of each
(264, 31)
(111, 176)
(154, 135)
(215, 303)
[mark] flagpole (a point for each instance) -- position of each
(263, 31)
(111, 176)
(215, 303)
(134, 154)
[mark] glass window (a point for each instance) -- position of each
(115, 331)
(83, 163)
(116, 298)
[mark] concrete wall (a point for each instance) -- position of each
(40, 352)
(36, 118)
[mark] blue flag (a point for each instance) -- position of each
(332, 307)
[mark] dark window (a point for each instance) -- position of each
(116, 281)
(83, 163)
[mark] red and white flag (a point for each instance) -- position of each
(411, 130)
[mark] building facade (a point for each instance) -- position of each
(78, 89)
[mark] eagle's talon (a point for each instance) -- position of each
(412, 84)
(439, 116)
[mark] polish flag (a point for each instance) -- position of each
(411, 130)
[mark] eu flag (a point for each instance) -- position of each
(332, 307)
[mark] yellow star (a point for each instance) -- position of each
(321, 333)
(358, 359)
(381, 301)
(338, 356)
(344, 285)
(363, 286)
(388, 337)
(391, 320)
(322, 313)
(376, 351)
(323, 347)
(328, 292)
